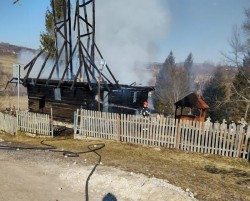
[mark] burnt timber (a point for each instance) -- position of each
(65, 100)
(74, 80)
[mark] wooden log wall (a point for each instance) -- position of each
(70, 101)
(41, 98)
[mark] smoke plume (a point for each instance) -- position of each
(127, 34)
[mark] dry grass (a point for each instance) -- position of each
(10, 101)
(7, 101)
(6, 63)
(210, 177)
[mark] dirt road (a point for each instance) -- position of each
(27, 175)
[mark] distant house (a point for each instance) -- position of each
(191, 107)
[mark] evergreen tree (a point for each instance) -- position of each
(171, 85)
(188, 64)
(217, 97)
(170, 61)
(241, 90)
(47, 38)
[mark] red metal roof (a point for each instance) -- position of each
(192, 100)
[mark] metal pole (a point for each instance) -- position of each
(99, 93)
(51, 122)
(18, 91)
(75, 121)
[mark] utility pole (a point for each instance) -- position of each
(99, 93)
(103, 64)
(18, 90)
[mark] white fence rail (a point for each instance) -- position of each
(221, 139)
(217, 138)
(149, 131)
(8, 123)
(34, 123)
(97, 124)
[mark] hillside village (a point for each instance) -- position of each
(70, 127)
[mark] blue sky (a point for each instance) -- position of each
(202, 27)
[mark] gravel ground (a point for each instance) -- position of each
(27, 175)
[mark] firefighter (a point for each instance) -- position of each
(145, 111)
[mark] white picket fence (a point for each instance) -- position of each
(8, 123)
(29, 122)
(97, 124)
(212, 138)
(34, 123)
(221, 139)
(149, 131)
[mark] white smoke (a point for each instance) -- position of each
(127, 33)
(25, 56)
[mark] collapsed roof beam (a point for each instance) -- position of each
(66, 67)
(99, 52)
(85, 65)
(31, 64)
(55, 65)
(44, 63)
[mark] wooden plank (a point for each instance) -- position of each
(122, 127)
(246, 143)
(191, 139)
(161, 134)
(152, 135)
(165, 132)
(124, 139)
(137, 128)
(173, 126)
(157, 127)
(213, 136)
(160, 127)
(178, 130)
(185, 132)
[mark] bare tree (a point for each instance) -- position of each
(239, 58)
(236, 55)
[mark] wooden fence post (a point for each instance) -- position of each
(119, 127)
(246, 146)
(17, 121)
(177, 135)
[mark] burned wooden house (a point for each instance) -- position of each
(77, 76)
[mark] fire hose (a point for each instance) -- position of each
(91, 148)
